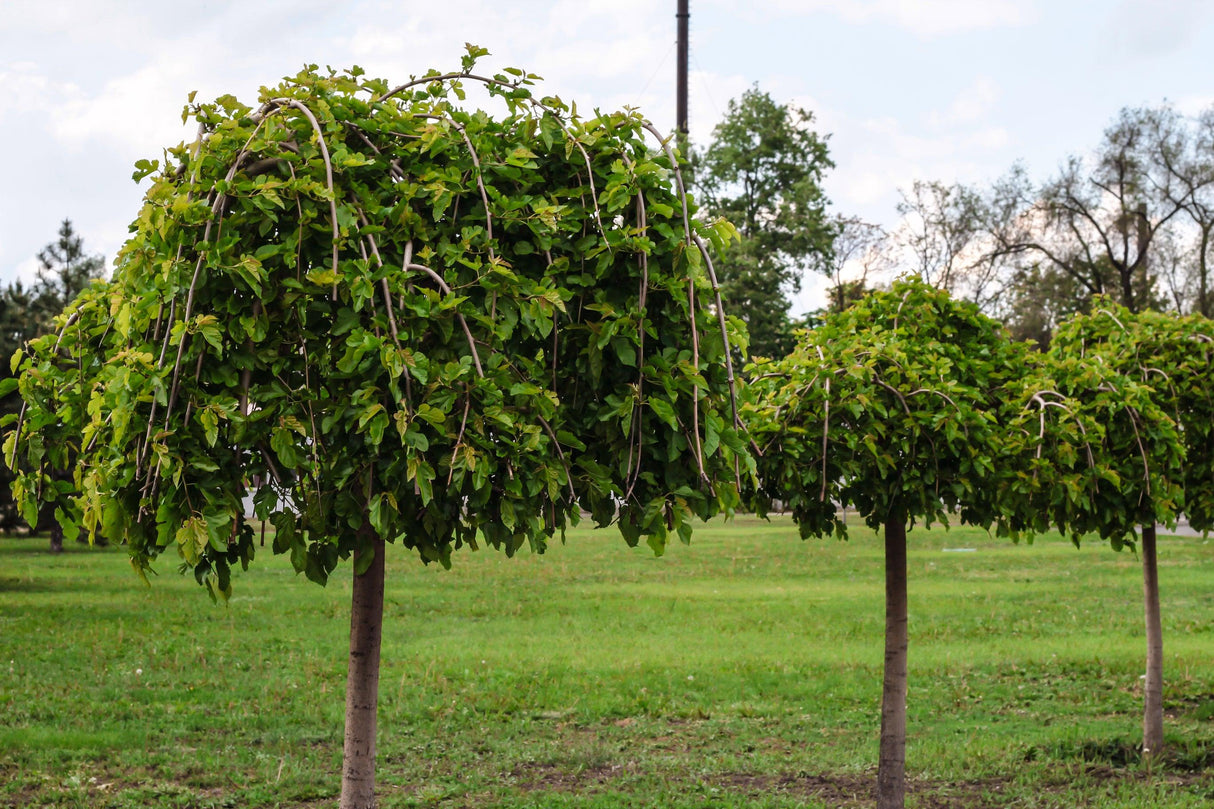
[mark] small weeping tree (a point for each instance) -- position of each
(1145, 378)
(389, 319)
(889, 408)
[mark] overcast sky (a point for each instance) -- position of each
(932, 89)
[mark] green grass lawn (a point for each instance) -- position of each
(744, 670)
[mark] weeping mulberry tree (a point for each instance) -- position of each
(387, 318)
(890, 407)
(1157, 441)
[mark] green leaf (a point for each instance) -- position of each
(664, 411)
(192, 539)
(210, 424)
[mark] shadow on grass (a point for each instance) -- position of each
(28, 546)
(848, 790)
(11, 585)
(1180, 755)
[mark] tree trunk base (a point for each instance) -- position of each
(891, 770)
(362, 680)
(1152, 708)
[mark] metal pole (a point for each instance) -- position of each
(681, 92)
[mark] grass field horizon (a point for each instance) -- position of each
(742, 670)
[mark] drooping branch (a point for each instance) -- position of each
(459, 438)
(720, 307)
(691, 294)
(324, 153)
(639, 408)
(438, 279)
(480, 179)
(1142, 451)
(383, 280)
(946, 398)
(898, 312)
(1113, 317)
(892, 390)
(560, 454)
(446, 77)
(1042, 403)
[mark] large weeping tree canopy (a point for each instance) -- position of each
(376, 311)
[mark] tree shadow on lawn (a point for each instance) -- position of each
(1068, 771)
(11, 584)
(848, 790)
(844, 790)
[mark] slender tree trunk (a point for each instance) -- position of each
(891, 771)
(362, 681)
(56, 537)
(1152, 713)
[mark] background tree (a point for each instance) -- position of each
(1132, 220)
(1097, 219)
(389, 319)
(888, 408)
(943, 234)
(64, 270)
(763, 172)
(859, 254)
(1037, 299)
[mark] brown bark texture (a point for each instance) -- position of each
(1152, 709)
(362, 681)
(891, 769)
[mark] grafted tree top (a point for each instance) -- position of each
(373, 308)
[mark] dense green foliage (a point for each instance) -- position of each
(1098, 444)
(763, 172)
(889, 407)
(375, 311)
(65, 269)
(1077, 455)
(1173, 358)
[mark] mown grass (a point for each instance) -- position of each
(743, 670)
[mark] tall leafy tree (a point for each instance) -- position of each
(392, 320)
(891, 408)
(763, 172)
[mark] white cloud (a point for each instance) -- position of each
(972, 104)
(26, 271)
(874, 157)
(135, 113)
(925, 18)
(26, 90)
(1151, 28)
(1194, 104)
